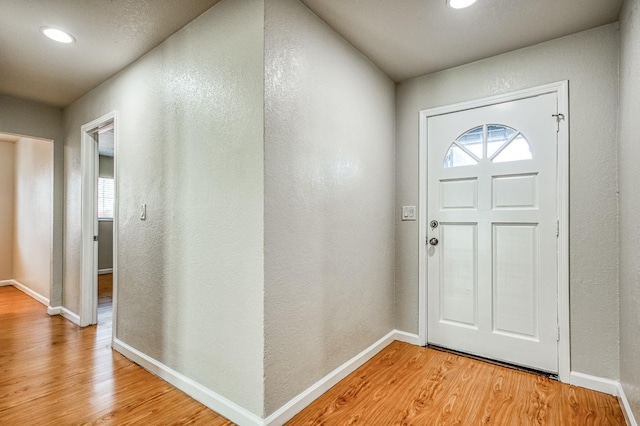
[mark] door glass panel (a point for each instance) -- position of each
(518, 149)
(497, 136)
(457, 157)
(472, 140)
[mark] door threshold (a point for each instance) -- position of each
(546, 374)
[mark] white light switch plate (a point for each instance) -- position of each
(408, 212)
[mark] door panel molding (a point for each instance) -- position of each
(562, 179)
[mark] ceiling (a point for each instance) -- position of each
(404, 38)
(408, 38)
(110, 35)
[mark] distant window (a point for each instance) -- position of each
(105, 198)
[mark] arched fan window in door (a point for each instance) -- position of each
(491, 142)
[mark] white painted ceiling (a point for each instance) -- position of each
(110, 35)
(408, 38)
(404, 38)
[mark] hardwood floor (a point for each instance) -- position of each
(105, 299)
(410, 385)
(53, 372)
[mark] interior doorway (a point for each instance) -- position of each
(26, 215)
(106, 186)
(99, 219)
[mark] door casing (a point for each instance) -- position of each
(561, 89)
(89, 219)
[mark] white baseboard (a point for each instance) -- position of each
(405, 337)
(241, 416)
(611, 387)
(71, 316)
(65, 313)
(216, 402)
(105, 271)
(31, 293)
(626, 407)
(297, 404)
(54, 310)
(595, 383)
(6, 283)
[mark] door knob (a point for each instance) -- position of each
(433, 241)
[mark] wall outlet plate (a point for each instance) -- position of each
(408, 212)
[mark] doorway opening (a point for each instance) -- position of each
(99, 222)
(26, 215)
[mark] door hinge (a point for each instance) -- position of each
(557, 228)
(558, 334)
(558, 117)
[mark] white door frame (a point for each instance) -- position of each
(89, 215)
(561, 89)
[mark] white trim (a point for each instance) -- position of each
(608, 386)
(65, 313)
(71, 316)
(599, 384)
(114, 231)
(29, 292)
(423, 184)
(564, 344)
(626, 407)
(54, 310)
(293, 407)
(239, 415)
(562, 91)
(403, 336)
(6, 283)
(89, 219)
(105, 271)
(206, 396)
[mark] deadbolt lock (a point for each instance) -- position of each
(434, 224)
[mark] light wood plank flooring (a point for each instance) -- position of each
(55, 373)
(52, 372)
(410, 385)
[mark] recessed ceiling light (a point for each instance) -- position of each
(57, 35)
(460, 4)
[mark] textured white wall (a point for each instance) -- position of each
(36, 120)
(33, 214)
(329, 150)
(190, 146)
(7, 150)
(628, 158)
(589, 60)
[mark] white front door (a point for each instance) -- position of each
(492, 209)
